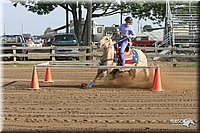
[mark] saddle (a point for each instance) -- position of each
(131, 56)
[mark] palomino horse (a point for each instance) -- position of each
(106, 44)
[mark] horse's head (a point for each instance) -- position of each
(105, 42)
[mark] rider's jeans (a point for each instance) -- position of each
(123, 46)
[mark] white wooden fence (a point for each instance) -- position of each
(95, 53)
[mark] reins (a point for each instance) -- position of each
(102, 61)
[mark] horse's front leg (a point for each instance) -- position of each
(146, 73)
(132, 73)
(99, 76)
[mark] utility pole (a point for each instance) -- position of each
(67, 19)
(4, 28)
(121, 2)
(138, 25)
(121, 15)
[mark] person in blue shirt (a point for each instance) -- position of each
(127, 32)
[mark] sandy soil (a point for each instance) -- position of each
(109, 106)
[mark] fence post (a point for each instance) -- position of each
(83, 50)
(14, 53)
(94, 54)
(156, 44)
(53, 53)
(173, 45)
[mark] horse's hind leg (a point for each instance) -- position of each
(146, 73)
(114, 72)
(132, 73)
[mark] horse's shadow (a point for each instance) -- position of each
(61, 86)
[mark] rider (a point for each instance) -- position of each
(127, 32)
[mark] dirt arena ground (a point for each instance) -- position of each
(109, 106)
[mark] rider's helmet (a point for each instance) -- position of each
(129, 20)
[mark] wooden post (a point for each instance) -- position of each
(173, 45)
(156, 44)
(14, 53)
(53, 53)
(94, 53)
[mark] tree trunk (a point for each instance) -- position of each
(89, 25)
(84, 31)
(80, 22)
(75, 20)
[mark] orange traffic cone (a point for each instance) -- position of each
(152, 71)
(157, 86)
(48, 78)
(34, 82)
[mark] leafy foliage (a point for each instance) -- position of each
(143, 10)
(153, 10)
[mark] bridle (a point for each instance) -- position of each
(103, 61)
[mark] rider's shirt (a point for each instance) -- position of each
(127, 30)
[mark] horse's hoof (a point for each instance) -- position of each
(90, 84)
(84, 85)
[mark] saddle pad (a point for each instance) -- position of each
(135, 56)
(131, 57)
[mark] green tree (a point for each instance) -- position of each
(142, 10)
(152, 10)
